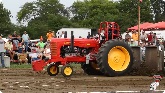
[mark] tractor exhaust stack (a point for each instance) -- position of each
(72, 42)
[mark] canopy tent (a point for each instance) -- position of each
(142, 26)
(153, 26)
(159, 25)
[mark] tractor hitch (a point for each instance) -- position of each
(39, 65)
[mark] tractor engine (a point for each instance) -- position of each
(63, 48)
(73, 47)
(77, 51)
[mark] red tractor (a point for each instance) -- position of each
(106, 55)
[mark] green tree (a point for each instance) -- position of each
(158, 8)
(5, 23)
(43, 15)
(89, 13)
(128, 13)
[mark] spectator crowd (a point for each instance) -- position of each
(19, 48)
(143, 39)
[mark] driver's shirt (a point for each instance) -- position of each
(101, 35)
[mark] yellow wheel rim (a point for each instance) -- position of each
(53, 69)
(68, 71)
(118, 58)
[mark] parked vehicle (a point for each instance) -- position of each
(78, 32)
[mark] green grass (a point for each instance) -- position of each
(75, 65)
(20, 66)
(27, 66)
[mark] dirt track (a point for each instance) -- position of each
(26, 81)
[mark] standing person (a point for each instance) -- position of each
(15, 39)
(49, 35)
(25, 40)
(19, 38)
(97, 36)
(102, 37)
(143, 49)
(127, 37)
(9, 36)
(2, 50)
(135, 37)
(132, 43)
(143, 37)
(89, 35)
(53, 34)
(62, 35)
(150, 38)
(154, 39)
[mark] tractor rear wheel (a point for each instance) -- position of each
(115, 58)
(91, 68)
(53, 69)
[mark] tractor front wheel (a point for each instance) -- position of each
(67, 71)
(53, 69)
(115, 58)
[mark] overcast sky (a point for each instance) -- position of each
(14, 5)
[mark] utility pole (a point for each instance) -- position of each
(140, 1)
(139, 22)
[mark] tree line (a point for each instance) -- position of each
(43, 15)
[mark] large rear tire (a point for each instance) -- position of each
(91, 68)
(115, 58)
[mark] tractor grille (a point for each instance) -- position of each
(53, 48)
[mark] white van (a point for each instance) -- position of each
(77, 32)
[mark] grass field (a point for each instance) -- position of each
(15, 65)
(20, 66)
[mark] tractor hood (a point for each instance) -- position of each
(81, 42)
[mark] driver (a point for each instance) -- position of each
(102, 36)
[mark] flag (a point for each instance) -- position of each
(140, 1)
